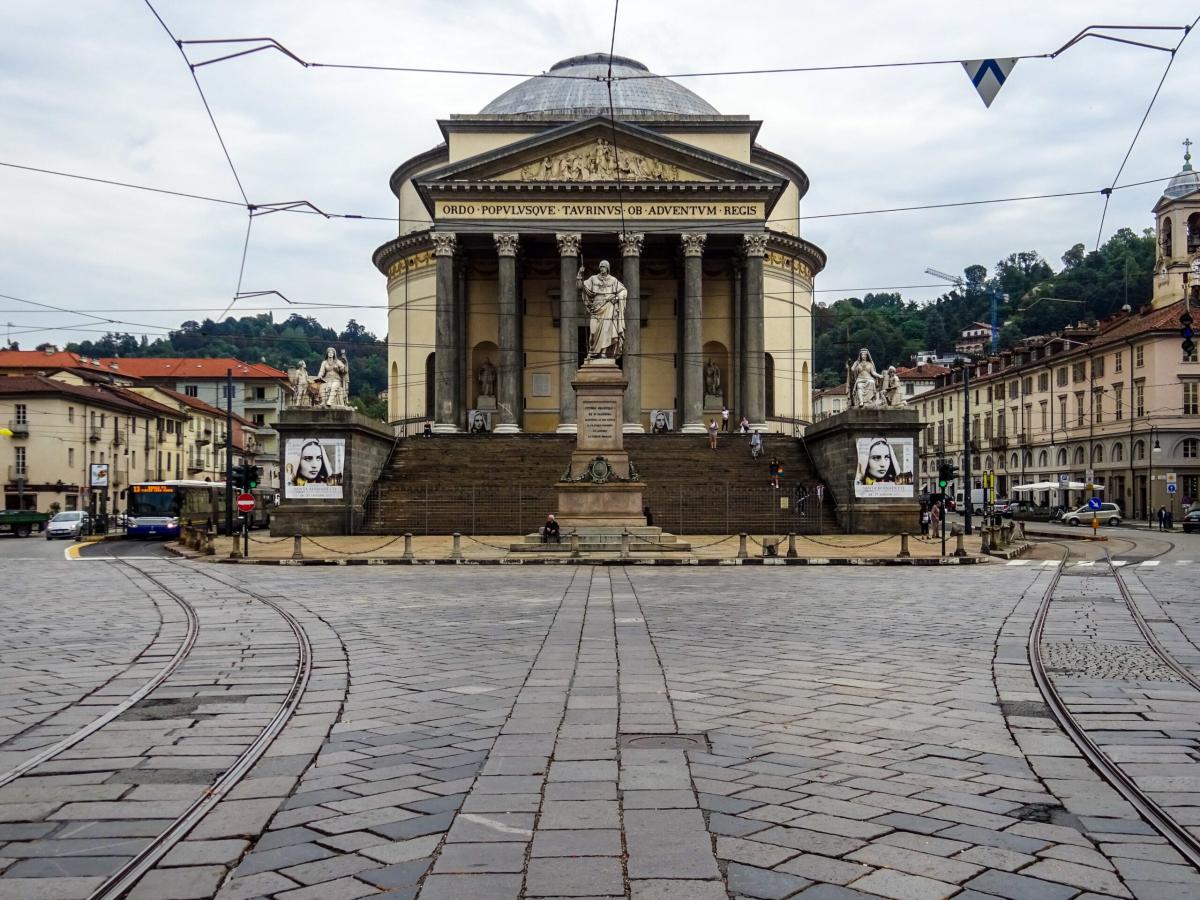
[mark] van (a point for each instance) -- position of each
(1108, 513)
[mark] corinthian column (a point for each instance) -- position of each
(693, 322)
(754, 390)
(508, 379)
(631, 257)
(446, 336)
(568, 329)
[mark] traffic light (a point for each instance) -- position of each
(253, 473)
(947, 472)
(1187, 332)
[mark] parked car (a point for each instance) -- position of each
(1191, 521)
(69, 525)
(1108, 514)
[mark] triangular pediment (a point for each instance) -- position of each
(602, 152)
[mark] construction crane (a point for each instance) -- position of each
(959, 282)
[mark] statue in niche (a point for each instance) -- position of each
(604, 299)
(487, 379)
(712, 379)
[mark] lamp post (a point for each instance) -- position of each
(1150, 478)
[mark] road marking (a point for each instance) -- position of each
(1117, 563)
(1183, 562)
(1018, 562)
(1085, 564)
(1049, 564)
(72, 552)
(1150, 562)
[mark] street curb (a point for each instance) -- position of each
(633, 561)
(1054, 535)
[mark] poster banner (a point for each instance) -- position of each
(662, 421)
(479, 421)
(885, 467)
(313, 468)
(98, 475)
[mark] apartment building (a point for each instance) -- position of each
(203, 440)
(829, 401)
(60, 425)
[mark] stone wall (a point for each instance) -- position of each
(368, 445)
(833, 446)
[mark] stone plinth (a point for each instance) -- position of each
(596, 489)
(354, 448)
(838, 444)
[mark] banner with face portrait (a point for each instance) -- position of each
(662, 421)
(313, 468)
(885, 467)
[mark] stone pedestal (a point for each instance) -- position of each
(355, 449)
(837, 446)
(599, 487)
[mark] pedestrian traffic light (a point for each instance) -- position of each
(1188, 333)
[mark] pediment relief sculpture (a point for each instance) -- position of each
(599, 161)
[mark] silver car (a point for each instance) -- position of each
(67, 525)
(1108, 513)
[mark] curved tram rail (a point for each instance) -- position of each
(1158, 817)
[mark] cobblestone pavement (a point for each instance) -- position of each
(660, 734)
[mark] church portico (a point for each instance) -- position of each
(495, 285)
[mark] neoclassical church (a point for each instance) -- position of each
(697, 220)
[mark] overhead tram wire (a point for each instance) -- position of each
(1142, 124)
(612, 115)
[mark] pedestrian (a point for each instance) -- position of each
(1162, 518)
(712, 434)
(756, 445)
(935, 516)
(924, 521)
(775, 468)
(428, 432)
(1169, 519)
(649, 516)
(551, 530)
(725, 419)
(744, 425)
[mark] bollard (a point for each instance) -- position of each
(1008, 534)
(791, 545)
(575, 544)
(903, 554)
(959, 549)
(742, 554)
(985, 544)
(297, 553)
(625, 543)
(209, 549)
(456, 550)
(408, 551)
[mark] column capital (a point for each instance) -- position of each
(568, 243)
(755, 244)
(444, 243)
(693, 243)
(631, 243)
(507, 242)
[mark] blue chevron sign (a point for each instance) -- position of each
(988, 76)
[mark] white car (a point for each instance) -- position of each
(68, 525)
(1108, 514)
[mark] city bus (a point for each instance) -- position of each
(159, 508)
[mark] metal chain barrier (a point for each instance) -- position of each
(486, 544)
(255, 540)
(353, 552)
(882, 540)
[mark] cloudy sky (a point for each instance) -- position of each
(98, 89)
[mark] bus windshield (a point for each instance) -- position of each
(153, 500)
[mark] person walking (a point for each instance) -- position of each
(756, 445)
(924, 521)
(712, 434)
(776, 469)
(1162, 518)
(935, 517)
(725, 419)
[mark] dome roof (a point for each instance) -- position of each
(585, 94)
(1186, 182)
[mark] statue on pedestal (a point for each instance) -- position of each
(487, 379)
(893, 398)
(862, 382)
(301, 387)
(604, 299)
(334, 378)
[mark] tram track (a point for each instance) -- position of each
(125, 878)
(1155, 814)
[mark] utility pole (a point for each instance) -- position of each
(229, 452)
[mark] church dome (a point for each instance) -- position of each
(1186, 182)
(584, 94)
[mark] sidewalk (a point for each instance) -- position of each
(855, 549)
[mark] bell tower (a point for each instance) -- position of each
(1177, 229)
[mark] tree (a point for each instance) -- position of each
(935, 331)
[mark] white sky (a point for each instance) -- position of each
(97, 88)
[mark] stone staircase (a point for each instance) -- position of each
(504, 484)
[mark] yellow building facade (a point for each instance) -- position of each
(699, 222)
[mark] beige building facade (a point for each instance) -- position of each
(697, 220)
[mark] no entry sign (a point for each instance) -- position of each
(245, 503)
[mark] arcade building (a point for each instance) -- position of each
(697, 220)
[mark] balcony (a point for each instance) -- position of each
(1000, 442)
(94, 434)
(147, 444)
(118, 439)
(18, 473)
(19, 429)
(195, 465)
(204, 435)
(1023, 439)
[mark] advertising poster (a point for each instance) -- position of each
(885, 467)
(98, 475)
(662, 421)
(479, 421)
(313, 468)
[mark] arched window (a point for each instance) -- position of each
(394, 399)
(430, 377)
(1190, 448)
(770, 393)
(988, 464)
(1079, 457)
(1062, 456)
(1139, 450)
(1118, 453)
(1098, 453)
(1043, 459)
(1012, 463)
(1164, 240)
(1027, 459)
(1193, 232)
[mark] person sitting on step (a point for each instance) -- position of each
(551, 530)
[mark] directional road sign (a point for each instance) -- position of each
(1171, 488)
(1094, 503)
(245, 503)
(1064, 478)
(988, 76)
